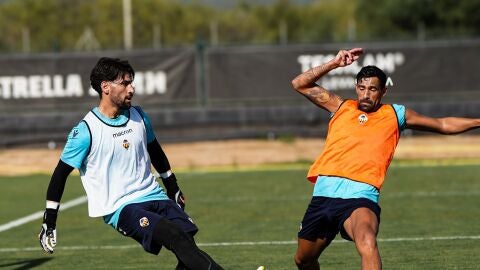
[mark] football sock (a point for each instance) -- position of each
(169, 235)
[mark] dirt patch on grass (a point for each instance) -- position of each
(240, 153)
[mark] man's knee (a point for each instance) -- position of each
(308, 252)
(170, 235)
(183, 246)
(366, 243)
(300, 261)
(304, 261)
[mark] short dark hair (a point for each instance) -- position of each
(109, 69)
(372, 71)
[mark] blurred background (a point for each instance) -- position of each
(215, 78)
(221, 69)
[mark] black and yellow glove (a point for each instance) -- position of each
(173, 191)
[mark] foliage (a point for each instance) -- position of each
(398, 19)
(58, 25)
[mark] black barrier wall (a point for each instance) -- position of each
(207, 93)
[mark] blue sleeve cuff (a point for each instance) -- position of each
(400, 111)
(78, 145)
(148, 125)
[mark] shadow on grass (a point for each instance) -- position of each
(23, 264)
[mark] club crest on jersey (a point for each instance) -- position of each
(362, 119)
(126, 144)
(144, 222)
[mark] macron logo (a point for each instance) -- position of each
(121, 133)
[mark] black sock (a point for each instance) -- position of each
(180, 265)
(168, 234)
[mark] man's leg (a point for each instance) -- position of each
(308, 253)
(171, 236)
(180, 265)
(362, 227)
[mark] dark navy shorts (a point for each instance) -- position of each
(138, 221)
(325, 216)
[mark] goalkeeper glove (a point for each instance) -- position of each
(48, 232)
(173, 191)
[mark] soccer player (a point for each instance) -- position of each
(114, 147)
(349, 173)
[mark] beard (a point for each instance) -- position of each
(123, 104)
(366, 106)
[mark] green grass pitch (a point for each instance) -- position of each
(430, 220)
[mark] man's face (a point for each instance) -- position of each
(121, 92)
(369, 94)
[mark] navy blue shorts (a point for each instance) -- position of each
(325, 216)
(138, 221)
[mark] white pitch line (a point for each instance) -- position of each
(258, 243)
(431, 194)
(39, 214)
(83, 199)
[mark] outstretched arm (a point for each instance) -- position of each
(305, 83)
(445, 125)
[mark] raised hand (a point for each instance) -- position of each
(347, 57)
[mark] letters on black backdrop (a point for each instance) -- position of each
(241, 73)
(39, 90)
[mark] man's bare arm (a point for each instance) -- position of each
(305, 83)
(445, 125)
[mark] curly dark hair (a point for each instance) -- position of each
(109, 69)
(372, 71)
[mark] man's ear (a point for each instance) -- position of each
(105, 86)
(384, 91)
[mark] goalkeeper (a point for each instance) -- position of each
(114, 147)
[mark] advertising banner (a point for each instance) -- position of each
(62, 80)
(413, 69)
(224, 92)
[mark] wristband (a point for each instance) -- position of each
(52, 205)
(166, 174)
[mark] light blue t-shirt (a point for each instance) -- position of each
(77, 148)
(339, 187)
(78, 142)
